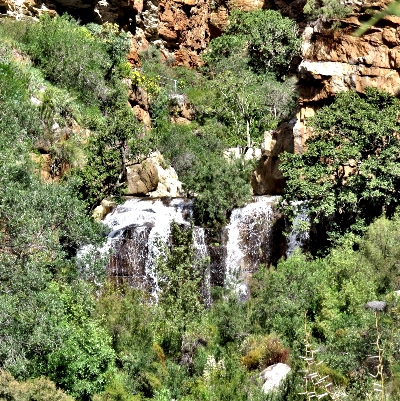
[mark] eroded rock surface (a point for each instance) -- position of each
(335, 61)
(141, 178)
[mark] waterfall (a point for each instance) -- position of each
(248, 241)
(203, 257)
(141, 229)
(298, 235)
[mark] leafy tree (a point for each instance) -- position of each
(221, 185)
(349, 174)
(251, 104)
(269, 40)
(180, 278)
(106, 151)
(247, 66)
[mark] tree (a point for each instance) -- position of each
(247, 67)
(180, 280)
(269, 40)
(251, 103)
(350, 172)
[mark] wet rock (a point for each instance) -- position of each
(103, 209)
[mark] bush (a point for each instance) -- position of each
(69, 56)
(379, 249)
(329, 9)
(260, 352)
(40, 389)
(269, 40)
(220, 186)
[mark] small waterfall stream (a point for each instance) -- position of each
(141, 226)
(248, 244)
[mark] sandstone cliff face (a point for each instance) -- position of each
(332, 61)
(335, 61)
(181, 29)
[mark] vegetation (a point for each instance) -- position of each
(349, 173)
(250, 59)
(328, 9)
(66, 333)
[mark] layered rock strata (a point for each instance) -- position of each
(336, 60)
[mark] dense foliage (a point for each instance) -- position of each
(349, 173)
(66, 333)
(247, 67)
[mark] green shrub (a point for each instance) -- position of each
(379, 248)
(329, 9)
(348, 174)
(40, 389)
(269, 40)
(69, 56)
(220, 186)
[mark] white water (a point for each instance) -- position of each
(144, 226)
(248, 236)
(202, 257)
(298, 236)
(141, 228)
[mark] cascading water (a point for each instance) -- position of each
(248, 241)
(141, 228)
(298, 235)
(203, 256)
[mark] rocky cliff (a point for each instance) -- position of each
(181, 29)
(333, 60)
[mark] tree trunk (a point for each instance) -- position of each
(248, 133)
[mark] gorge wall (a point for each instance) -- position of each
(332, 60)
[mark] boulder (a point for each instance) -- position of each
(169, 184)
(103, 209)
(273, 376)
(376, 306)
(142, 115)
(142, 178)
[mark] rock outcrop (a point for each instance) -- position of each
(141, 178)
(168, 181)
(266, 178)
(180, 29)
(336, 60)
(152, 177)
